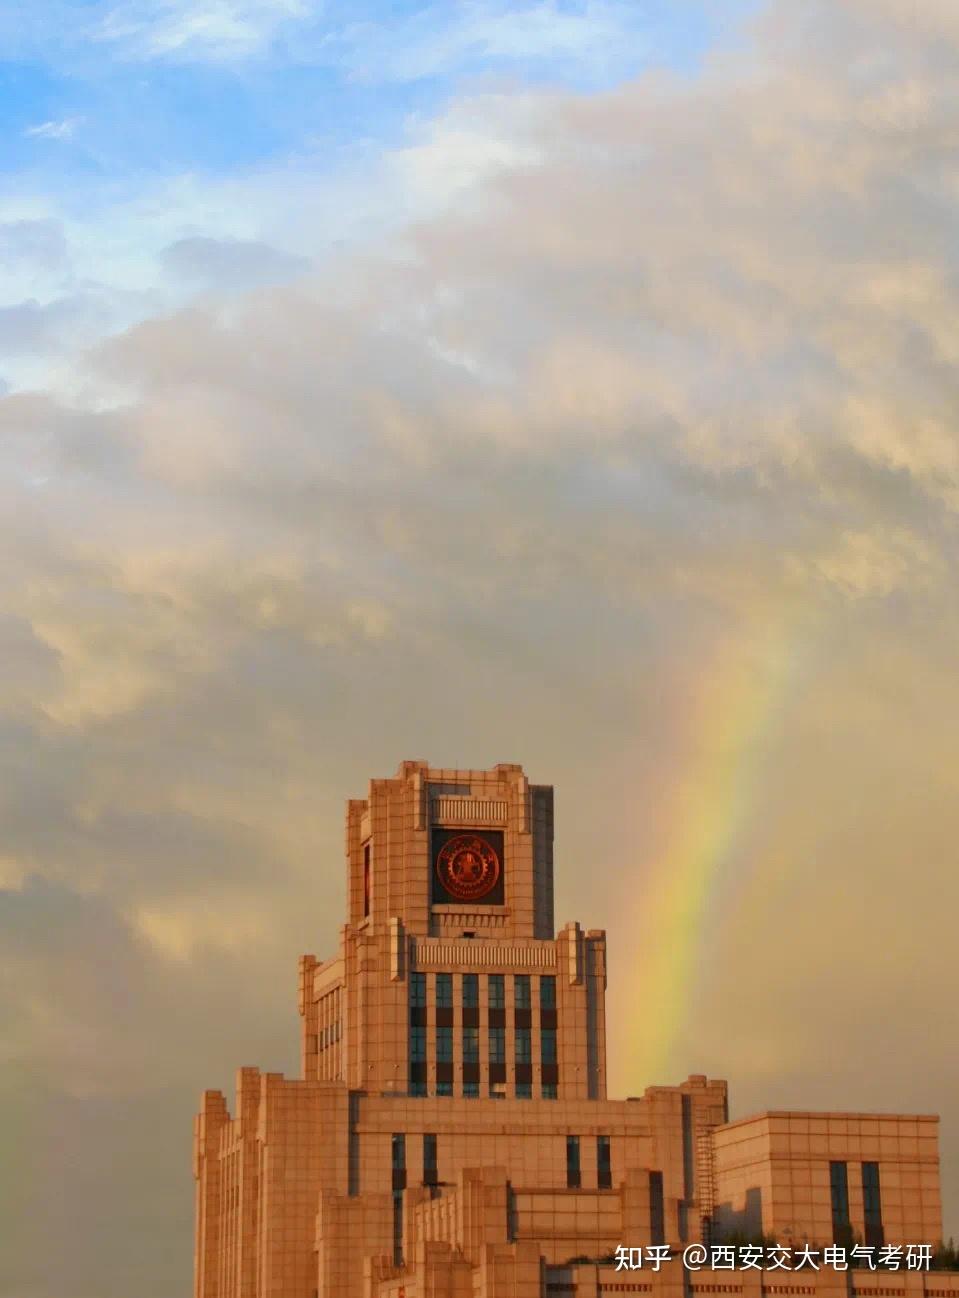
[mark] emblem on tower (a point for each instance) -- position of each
(467, 867)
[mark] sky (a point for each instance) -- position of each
(570, 384)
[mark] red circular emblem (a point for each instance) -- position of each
(467, 867)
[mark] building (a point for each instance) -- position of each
(451, 1137)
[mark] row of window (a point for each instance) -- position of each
(604, 1173)
(871, 1202)
(328, 1036)
(469, 1027)
(496, 991)
(604, 1169)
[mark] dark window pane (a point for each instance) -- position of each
(572, 1162)
(497, 992)
(547, 992)
(872, 1205)
(604, 1171)
(366, 879)
(521, 992)
(429, 1159)
(839, 1193)
(470, 991)
(399, 1151)
(657, 1209)
(444, 990)
(398, 1227)
(548, 1046)
(444, 1045)
(418, 989)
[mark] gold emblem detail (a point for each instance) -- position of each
(467, 867)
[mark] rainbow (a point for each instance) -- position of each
(704, 823)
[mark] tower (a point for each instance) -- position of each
(450, 872)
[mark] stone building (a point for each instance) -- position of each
(451, 1136)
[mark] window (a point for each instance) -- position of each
(471, 1067)
(550, 1090)
(839, 1193)
(497, 1063)
(366, 879)
(399, 1152)
(444, 991)
(399, 1162)
(417, 1043)
(657, 1209)
(522, 1014)
(429, 1160)
(547, 992)
(497, 992)
(444, 1061)
(397, 1228)
(872, 1205)
(524, 1063)
(470, 1012)
(604, 1169)
(572, 1162)
(547, 1043)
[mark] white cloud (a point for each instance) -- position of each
(188, 30)
(590, 39)
(64, 129)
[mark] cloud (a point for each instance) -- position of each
(229, 264)
(437, 40)
(873, 564)
(40, 242)
(197, 30)
(646, 409)
(64, 129)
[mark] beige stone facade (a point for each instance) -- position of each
(451, 1137)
